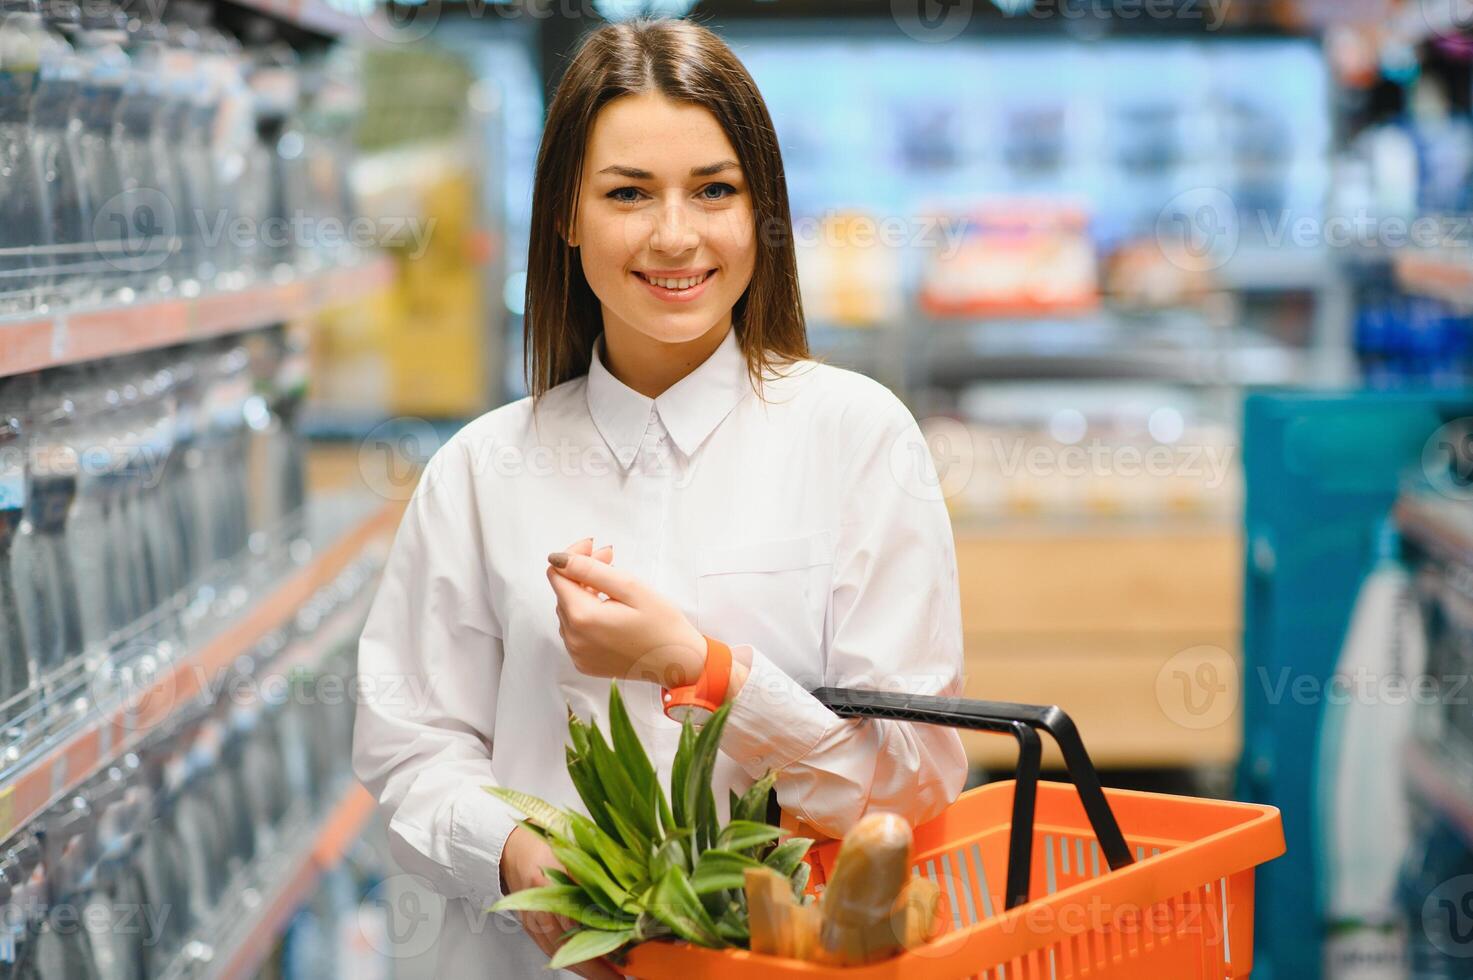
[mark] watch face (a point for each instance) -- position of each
(698, 715)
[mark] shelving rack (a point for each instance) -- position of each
(30, 785)
(74, 336)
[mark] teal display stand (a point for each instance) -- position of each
(1321, 469)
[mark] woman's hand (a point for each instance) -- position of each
(636, 633)
(523, 859)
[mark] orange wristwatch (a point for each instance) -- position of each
(699, 701)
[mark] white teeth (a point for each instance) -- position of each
(677, 283)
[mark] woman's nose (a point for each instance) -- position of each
(673, 230)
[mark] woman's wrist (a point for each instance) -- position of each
(688, 663)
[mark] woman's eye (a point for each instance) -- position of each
(727, 190)
(617, 195)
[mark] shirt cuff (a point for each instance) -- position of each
(479, 827)
(773, 721)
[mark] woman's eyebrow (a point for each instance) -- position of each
(634, 173)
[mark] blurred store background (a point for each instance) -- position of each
(1180, 291)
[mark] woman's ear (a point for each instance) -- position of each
(571, 239)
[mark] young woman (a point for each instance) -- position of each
(720, 508)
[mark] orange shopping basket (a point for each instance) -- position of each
(1043, 881)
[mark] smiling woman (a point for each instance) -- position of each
(762, 524)
(651, 222)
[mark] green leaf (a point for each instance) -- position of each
(633, 836)
(619, 788)
(733, 926)
(679, 775)
(673, 853)
(664, 819)
(578, 732)
(542, 813)
(591, 792)
(753, 805)
(627, 745)
(567, 900)
(557, 877)
(786, 856)
(719, 870)
(677, 905)
(625, 869)
(588, 944)
(741, 835)
(800, 878)
(533, 829)
(649, 927)
(595, 880)
(706, 823)
(700, 804)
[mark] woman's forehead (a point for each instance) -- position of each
(655, 134)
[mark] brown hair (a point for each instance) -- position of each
(687, 63)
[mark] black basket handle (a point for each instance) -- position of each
(1023, 722)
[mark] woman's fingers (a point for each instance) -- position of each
(547, 930)
(585, 547)
(599, 969)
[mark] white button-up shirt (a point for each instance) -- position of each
(808, 527)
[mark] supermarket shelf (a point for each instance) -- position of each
(246, 937)
(321, 851)
(344, 18)
(36, 343)
(33, 785)
(1443, 782)
(1105, 348)
(1439, 275)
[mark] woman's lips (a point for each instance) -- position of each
(676, 295)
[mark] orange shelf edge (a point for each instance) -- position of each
(72, 337)
(332, 839)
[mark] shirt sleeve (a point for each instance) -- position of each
(895, 627)
(429, 661)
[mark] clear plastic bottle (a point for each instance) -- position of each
(50, 612)
(276, 83)
(14, 669)
(53, 116)
(99, 577)
(98, 44)
(22, 218)
(151, 200)
(184, 84)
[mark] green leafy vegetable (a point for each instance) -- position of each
(642, 865)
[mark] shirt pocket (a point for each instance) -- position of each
(772, 594)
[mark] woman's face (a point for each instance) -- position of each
(662, 197)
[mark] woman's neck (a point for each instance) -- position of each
(651, 366)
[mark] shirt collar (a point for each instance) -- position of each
(690, 409)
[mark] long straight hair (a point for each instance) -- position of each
(686, 63)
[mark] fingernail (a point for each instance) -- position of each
(559, 559)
